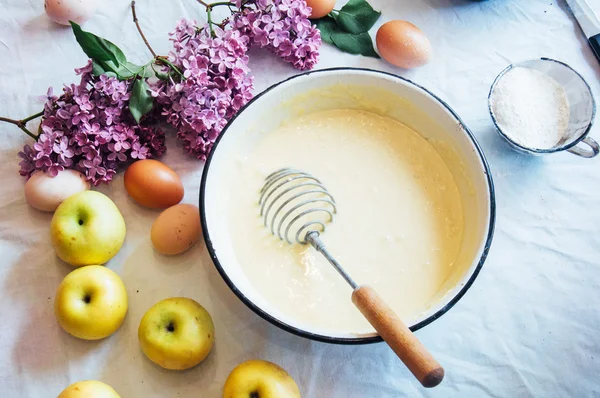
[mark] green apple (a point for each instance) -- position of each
(89, 389)
(87, 228)
(91, 302)
(260, 379)
(176, 333)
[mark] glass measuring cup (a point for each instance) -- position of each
(582, 107)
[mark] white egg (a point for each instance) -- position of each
(63, 11)
(45, 192)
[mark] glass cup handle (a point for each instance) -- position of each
(590, 152)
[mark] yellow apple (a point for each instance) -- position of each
(91, 302)
(176, 333)
(87, 228)
(89, 389)
(260, 379)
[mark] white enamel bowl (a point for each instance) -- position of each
(379, 92)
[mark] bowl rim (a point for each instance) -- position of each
(321, 337)
(533, 149)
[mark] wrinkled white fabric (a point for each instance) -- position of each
(529, 326)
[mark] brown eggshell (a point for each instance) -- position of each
(320, 8)
(153, 184)
(403, 44)
(176, 229)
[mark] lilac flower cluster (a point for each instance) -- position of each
(215, 82)
(214, 86)
(281, 26)
(206, 81)
(90, 129)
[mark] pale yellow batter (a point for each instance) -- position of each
(399, 225)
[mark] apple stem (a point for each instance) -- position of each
(171, 327)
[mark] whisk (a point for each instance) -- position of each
(296, 207)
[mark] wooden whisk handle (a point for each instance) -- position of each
(398, 336)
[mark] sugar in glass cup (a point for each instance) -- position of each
(582, 109)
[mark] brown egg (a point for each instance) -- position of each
(403, 44)
(176, 229)
(320, 8)
(153, 184)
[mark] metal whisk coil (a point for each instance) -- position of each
(301, 199)
(291, 195)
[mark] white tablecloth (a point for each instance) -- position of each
(529, 326)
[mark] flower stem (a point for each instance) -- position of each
(21, 123)
(35, 116)
(29, 133)
(209, 7)
(139, 28)
(219, 3)
(165, 61)
(210, 22)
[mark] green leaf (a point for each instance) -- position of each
(327, 26)
(160, 75)
(354, 43)
(141, 101)
(144, 71)
(106, 57)
(97, 69)
(357, 16)
(97, 48)
(128, 70)
(122, 71)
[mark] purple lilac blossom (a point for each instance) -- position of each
(281, 26)
(214, 87)
(89, 129)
